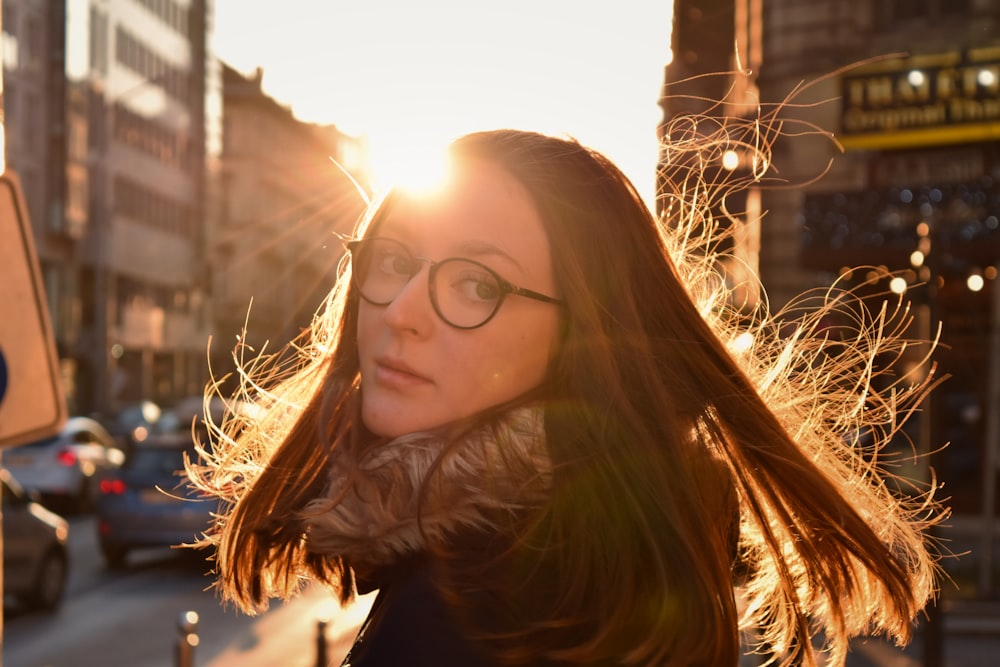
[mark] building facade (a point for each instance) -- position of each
(285, 196)
(113, 106)
(911, 90)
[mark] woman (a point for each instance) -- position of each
(523, 419)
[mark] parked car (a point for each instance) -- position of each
(64, 469)
(146, 502)
(35, 556)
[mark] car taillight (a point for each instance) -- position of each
(112, 487)
(66, 457)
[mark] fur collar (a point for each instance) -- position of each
(377, 509)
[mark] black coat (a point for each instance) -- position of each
(411, 625)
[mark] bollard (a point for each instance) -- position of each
(187, 639)
(321, 653)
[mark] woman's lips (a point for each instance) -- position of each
(396, 374)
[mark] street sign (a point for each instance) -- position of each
(31, 397)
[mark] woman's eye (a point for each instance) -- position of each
(394, 263)
(401, 264)
(487, 290)
(476, 286)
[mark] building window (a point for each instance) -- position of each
(10, 50)
(158, 141)
(132, 53)
(151, 208)
(895, 12)
(98, 40)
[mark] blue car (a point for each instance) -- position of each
(147, 503)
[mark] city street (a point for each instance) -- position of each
(130, 618)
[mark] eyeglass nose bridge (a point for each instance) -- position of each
(421, 263)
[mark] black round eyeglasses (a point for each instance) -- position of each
(465, 294)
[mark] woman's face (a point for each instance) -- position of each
(417, 371)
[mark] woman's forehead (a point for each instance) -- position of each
(478, 197)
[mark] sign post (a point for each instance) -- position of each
(31, 397)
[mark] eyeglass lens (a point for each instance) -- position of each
(464, 293)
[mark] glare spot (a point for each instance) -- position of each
(326, 610)
(974, 282)
(917, 258)
(742, 343)
(730, 160)
(898, 285)
(915, 77)
(986, 78)
(419, 170)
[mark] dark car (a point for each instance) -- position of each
(35, 557)
(146, 502)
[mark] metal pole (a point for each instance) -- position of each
(990, 454)
(322, 659)
(933, 653)
(187, 639)
(102, 232)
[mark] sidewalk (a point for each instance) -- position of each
(970, 617)
(287, 636)
(971, 638)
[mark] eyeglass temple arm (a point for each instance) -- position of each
(531, 294)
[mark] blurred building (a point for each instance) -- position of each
(285, 196)
(915, 195)
(113, 108)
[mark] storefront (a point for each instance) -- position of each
(926, 223)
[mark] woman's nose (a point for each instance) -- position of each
(412, 310)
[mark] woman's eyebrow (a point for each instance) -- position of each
(479, 249)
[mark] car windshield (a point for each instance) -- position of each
(165, 460)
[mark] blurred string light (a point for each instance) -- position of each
(730, 160)
(916, 78)
(898, 285)
(975, 282)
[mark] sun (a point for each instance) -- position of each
(418, 166)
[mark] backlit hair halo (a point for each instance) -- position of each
(841, 373)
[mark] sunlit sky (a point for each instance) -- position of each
(410, 75)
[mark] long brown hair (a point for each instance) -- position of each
(676, 455)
